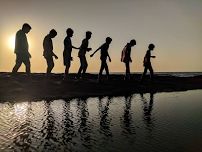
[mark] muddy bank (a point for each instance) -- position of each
(38, 87)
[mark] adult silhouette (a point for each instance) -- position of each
(126, 57)
(103, 57)
(82, 55)
(22, 49)
(48, 51)
(67, 58)
(147, 62)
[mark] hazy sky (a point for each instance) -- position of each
(174, 26)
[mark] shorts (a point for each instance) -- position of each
(66, 60)
(22, 59)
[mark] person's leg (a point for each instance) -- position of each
(107, 70)
(151, 71)
(26, 61)
(67, 70)
(50, 65)
(101, 69)
(144, 73)
(17, 64)
(67, 66)
(127, 70)
(85, 65)
(80, 68)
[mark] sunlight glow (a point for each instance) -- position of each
(21, 110)
(11, 42)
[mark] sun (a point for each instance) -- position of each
(11, 42)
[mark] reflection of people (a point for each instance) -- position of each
(147, 62)
(104, 117)
(147, 108)
(126, 58)
(84, 128)
(67, 58)
(68, 124)
(104, 54)
(127, 117)
(82, 55)
(50, 123)
(48, 51)
(22, 49)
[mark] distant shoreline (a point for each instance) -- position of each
(37, 87)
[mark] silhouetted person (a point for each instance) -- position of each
(82, 55)
(126, 58)
(67, 58)
(147, 62)
(103, 57)
(48, 51)
(22, 49)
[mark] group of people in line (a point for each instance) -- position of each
(23, 55)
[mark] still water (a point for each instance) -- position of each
(149, 122)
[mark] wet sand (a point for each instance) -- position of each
(37, 86)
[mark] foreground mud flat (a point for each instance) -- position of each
(37, 86)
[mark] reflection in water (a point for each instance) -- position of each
(68, 125)
(84, 126)
(49, 128)
(99, 124)
(147, 110)
(104, 116)
(23, 115)
(127, 117)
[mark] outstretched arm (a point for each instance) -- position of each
(88, 49)
(95, 51)
(75, 47)
(152, 56)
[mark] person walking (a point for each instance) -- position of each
(82, 55)
(103, 57)
(67, 58)
(48, 51)
(126, 57)
(22, 49)
(147, 63)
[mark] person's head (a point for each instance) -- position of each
(88, 34)
(26, 27)
(108, 40)
(132, 42)
(151, 46)
(69, 32)
(53, 33)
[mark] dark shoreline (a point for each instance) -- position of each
(37, 87)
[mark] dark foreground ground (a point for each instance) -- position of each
(37, 86)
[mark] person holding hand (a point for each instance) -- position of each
(103, 57)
